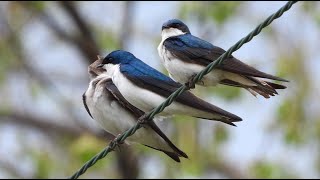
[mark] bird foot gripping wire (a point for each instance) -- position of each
(190, 84)
(143, 119)
(116, 142)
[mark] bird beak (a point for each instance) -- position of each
(164, 27)
(100, 65)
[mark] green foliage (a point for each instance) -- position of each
(38, 5)
(291, 113)
(227, 93)
(187, 130)
(219, 12)
(43, 165)
(35, 89)
(221, 134)
(7, 59)
(267, 170)
(86, 147)
(5, 108)
(312, 8)
(107, 39)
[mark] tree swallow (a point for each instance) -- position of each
(185, 55)
(146, 88)
(115, 114)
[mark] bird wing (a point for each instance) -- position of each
(118, 96)
(195, 50)
(165, 88)
(85, 103)
(138, 113)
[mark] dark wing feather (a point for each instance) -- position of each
(165, 89)
(154, 127)
(85, 104)
(138, 113)
(194, 50)
(236, 66)
(117, 95)
(172, 155)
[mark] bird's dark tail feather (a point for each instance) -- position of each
(173, 155)
(225, 120)
(264, 88)
(154, 127)
(276, 86)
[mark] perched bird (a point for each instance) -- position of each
(146, 88)
(107, 106)
(185, 55)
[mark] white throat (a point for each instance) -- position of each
(166, 33)
(110, 69)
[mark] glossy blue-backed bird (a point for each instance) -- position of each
(146, 88)
(185, 55)
(106, 105)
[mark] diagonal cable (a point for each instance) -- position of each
(148, 117)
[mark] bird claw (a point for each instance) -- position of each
(143, 121)
(190, 84)
(116, 142)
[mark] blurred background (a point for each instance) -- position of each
(45, 131)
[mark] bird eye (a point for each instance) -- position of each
(175, 25)
(110, 59)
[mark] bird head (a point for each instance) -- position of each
(117, 57)
(174, 27)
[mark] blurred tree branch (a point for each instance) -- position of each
(45, 82)
(47, 125)
(126, 160)
(126, 25)
(226, 168)
(84, 39)
(11, 169)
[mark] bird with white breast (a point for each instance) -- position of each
(185, 55)
(106, 105)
